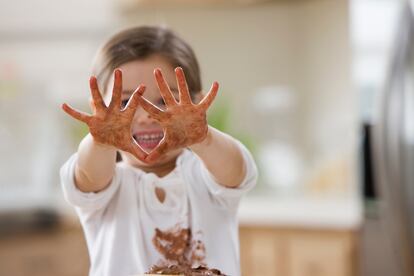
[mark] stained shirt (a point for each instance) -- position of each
(128, 229)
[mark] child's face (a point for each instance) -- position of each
(145, 130)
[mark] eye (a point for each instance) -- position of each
(160, 102)
(124, 103)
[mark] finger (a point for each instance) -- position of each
(182, 86)
(78, 115)
(153, 110)
(156, 153)
(92, 105)
(209, 98)
(116, 90)
(164, 88)
(137, 151)
(133, 102)
(96, 95)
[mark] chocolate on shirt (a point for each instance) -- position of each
(183, 255)
(177, 246)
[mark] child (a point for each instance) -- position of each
(173, 198)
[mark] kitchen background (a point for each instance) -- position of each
(298, 81)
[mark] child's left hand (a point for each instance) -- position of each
(184, 123)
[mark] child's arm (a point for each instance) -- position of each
(95, 165)
(110, 129)
(222, 157)
(185, 125)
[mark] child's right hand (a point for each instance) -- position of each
(111, 125)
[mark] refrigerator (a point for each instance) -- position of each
(393, 146)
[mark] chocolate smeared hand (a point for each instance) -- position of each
(184, 123)
(111, 125)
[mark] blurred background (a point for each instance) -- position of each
(319, 90)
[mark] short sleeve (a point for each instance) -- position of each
(229, 197)
(86, 201)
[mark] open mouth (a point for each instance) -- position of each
(148, 139)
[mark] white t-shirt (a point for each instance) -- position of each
(128, 229)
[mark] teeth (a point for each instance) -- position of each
(149, 137)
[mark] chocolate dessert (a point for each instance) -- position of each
(185, 270)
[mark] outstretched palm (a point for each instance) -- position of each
(184, 123)
(111, 125)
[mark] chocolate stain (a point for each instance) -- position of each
(160, 193)
(177, 246)
(199, 252)
(183, 255)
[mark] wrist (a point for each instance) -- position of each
(100, 145)
(204, 143)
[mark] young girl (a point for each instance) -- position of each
(173, 198)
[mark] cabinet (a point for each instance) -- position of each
(297, 252)
(264, 251)
(55, 252)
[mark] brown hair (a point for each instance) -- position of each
(138, 43)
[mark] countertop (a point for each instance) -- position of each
(321, 212)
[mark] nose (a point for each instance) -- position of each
(142, 117)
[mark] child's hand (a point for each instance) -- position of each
(184, 123)
(111, 125)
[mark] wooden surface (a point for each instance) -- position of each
(56, 252)
(297, 252)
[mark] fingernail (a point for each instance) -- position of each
(92, 79)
